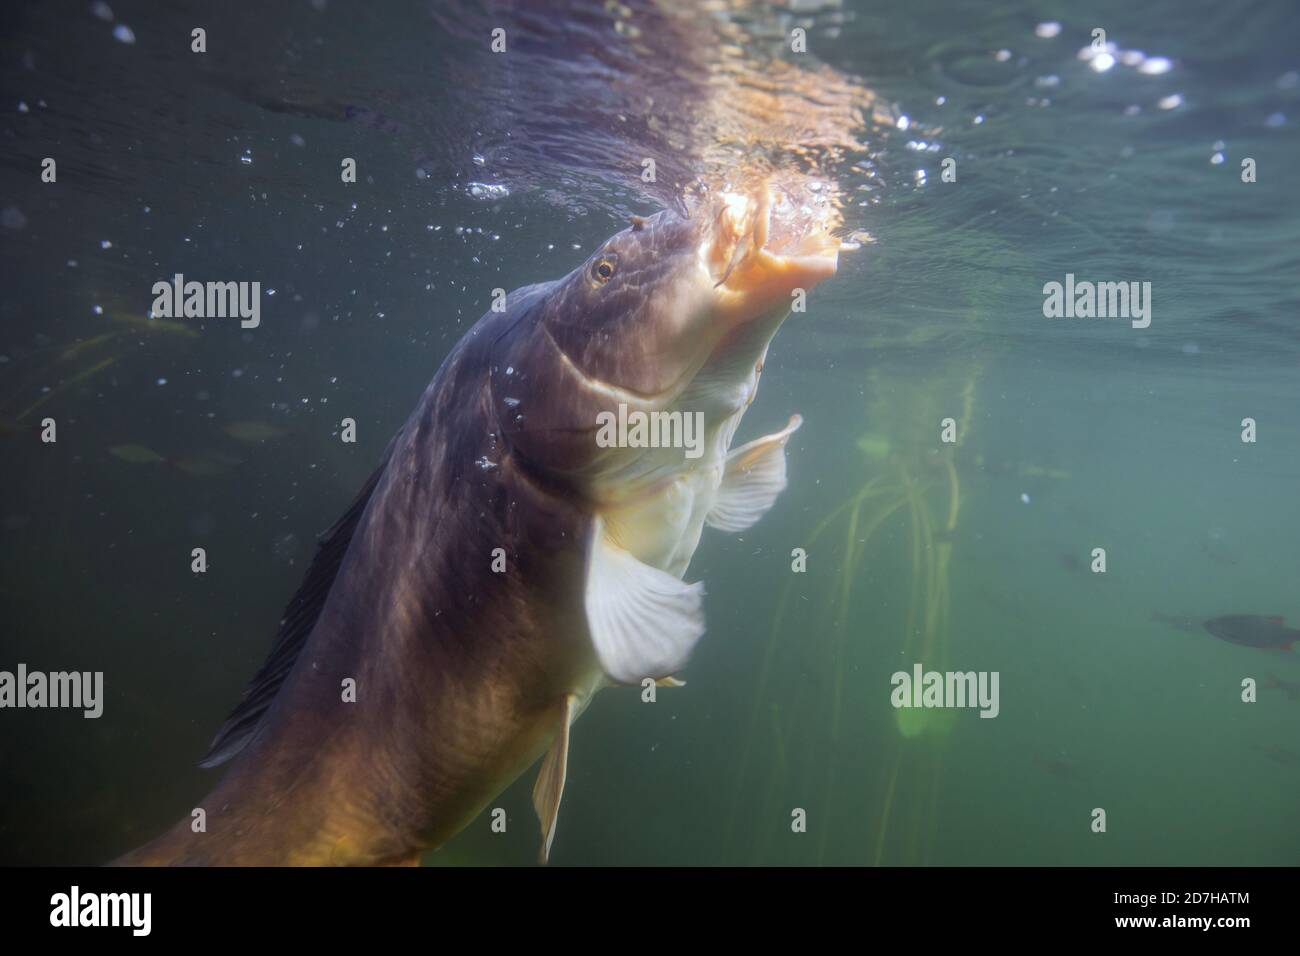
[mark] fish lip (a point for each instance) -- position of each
(742, 261)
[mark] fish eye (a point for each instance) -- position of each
(602, 270)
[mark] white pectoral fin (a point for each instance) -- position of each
(755, 475)
(643, 621)
(550, 780)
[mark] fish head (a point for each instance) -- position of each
(675, 312)
(649, 308)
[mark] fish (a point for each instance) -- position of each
(253, 431)
(1280, 755)
(1253, 630)
(1059, 766)
(503, 564)
(205, 465)
(136, 454)
(1290, 688)
(208, 465)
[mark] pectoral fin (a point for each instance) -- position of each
(643, 621)
(550, 780)
(755, 475)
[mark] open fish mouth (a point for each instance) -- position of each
(763, 247)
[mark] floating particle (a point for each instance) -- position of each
(124, 34)
(12, 218)
(1102, 62)
(286, 547)
(1047, 29)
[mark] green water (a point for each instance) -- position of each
(1074, 434)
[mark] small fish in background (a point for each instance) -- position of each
(1253, 630)
(197, 466)
(1081, 563)
(136, 454)
(1263, 631)
(1057, 765)
(1280, 755)
(1290, 688)
(254, 431)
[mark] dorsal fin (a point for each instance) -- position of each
(299, 619)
